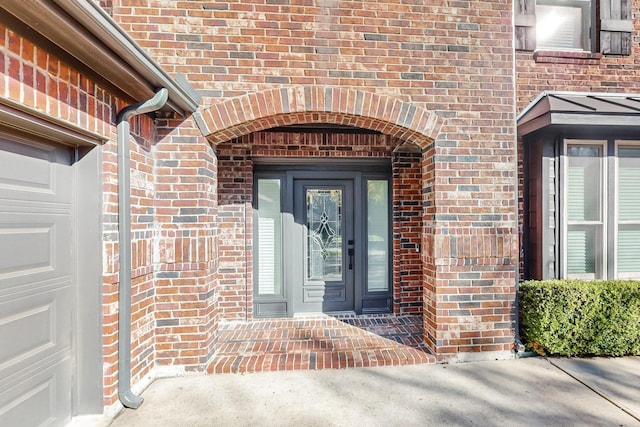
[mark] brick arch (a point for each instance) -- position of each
(257, 111)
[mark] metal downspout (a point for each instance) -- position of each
(519, 347)
(126, 396)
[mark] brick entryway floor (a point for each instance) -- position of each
(319, 342)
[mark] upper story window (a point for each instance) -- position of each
(563, 25)
(569, 25)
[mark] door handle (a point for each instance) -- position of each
(350, 252)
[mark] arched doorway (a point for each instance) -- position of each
(319, 202)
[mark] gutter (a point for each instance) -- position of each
(126, 396)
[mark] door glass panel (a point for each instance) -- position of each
(377, 235)
(325, 234)
(269, 237)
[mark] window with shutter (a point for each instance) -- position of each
(563, 25)
(566, 25)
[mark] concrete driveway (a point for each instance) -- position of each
(522, 392)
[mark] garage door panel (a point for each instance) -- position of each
(42, 398)
(34, 247)
(34, 326)
(35, 172)
(26, 249)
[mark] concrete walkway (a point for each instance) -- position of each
(520, 392)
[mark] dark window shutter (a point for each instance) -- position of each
(525, 20)
(615, 27)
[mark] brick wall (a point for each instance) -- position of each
(449, 64)
(41, 81)
(407, 232)
(235, 225)
(573, 73)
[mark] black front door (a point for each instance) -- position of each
(323, 243)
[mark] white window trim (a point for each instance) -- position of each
(565, 211)
(616, 275)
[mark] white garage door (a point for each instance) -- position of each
(36, 284)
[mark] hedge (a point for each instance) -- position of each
(580, 318)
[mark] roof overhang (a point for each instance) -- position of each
(562, 109)
(80, 32)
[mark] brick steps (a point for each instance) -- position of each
(319, 342)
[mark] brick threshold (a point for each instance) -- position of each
(319, 342)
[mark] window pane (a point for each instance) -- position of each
(584, 246)
(628, 184)
(324, 239)
(269, 236)
(629, 249)
(562, 25)
(377, 235)
(582, 251)
(584, 183)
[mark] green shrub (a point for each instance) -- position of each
(579, 318)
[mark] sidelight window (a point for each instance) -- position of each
(269, 237)
(377, 235)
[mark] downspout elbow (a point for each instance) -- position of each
(126, 396)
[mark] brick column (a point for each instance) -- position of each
(185, 250)
(469, 261)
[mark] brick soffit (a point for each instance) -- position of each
(235, 117)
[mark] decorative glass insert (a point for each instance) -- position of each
(269, 238)
(325, 234)
(377, 235)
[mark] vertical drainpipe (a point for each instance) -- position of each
(519, 347)
(126, 396)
